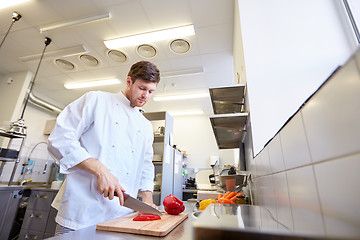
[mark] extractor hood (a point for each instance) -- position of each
(229, 121)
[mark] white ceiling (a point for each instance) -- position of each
(211, 47)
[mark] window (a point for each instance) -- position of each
(353, 10)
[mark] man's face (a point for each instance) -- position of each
(139, 92)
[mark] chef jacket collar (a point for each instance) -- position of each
(126, 101)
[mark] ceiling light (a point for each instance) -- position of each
(65, 52)
(181, 96)
(105, 82)
(182, 72)
(75, 22)
(186, 113)
(180, 46)
(146, 51)
(9, 3)
(89, 60)
(117, 56)
(148, 37)
(64, 64)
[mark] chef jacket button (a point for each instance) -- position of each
(127, 173)
(113, 146)
(117, 123)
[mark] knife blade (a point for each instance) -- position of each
(138, 205)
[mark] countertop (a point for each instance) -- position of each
(33, 186)
(215, 222)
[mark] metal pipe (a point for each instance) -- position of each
(43, 104)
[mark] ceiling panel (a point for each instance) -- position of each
(211, 47)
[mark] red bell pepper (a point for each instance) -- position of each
(146, 217)
(173, 205)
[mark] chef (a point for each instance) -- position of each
(104, 144)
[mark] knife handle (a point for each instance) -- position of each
(126, 196)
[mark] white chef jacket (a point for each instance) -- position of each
(104, 126)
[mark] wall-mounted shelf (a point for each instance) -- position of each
(16, 157)
(227, 99)
(229, 129)
(229, 121)
(158, 139)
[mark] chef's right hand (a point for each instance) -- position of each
(107, 183)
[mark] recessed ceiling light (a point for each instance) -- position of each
(74, 85)
(89, 60)
(64, 64)
(9, 3)
(65, 52)
(146, 51)
(181, 96)
(75, 22)
(182, 72)
(186, 113)
(148, 37)
(180, 46)
(117, 56)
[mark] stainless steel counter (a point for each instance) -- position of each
(34, 185)
(216, 222)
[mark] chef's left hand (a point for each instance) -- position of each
(147, 197)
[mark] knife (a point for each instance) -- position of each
(138, 205)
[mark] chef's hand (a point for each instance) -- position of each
(147, 197)
(107, 183)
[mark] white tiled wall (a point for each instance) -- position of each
(293, 139)
(308, 174)
(332, 116)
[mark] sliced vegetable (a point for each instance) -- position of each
(173, 205)
(220, 195)
(146, 217)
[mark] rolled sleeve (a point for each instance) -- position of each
(74, 158)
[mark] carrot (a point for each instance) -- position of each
(239, 194)
(226, 194)
(225, 201)
(230, 195)
(233, 198)
(219, 196)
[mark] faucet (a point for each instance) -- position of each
(25, 181)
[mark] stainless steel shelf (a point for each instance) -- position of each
(227, 99)
(229, 121)
(3, 133)
(229, 129)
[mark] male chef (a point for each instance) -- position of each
(104, 145)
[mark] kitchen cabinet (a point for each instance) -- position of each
(167, 160)
(229, 119)
(9, 199)
(8, 154)
(39, 219)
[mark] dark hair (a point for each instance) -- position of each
(144, 70)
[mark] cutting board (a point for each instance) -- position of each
(153, 228)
